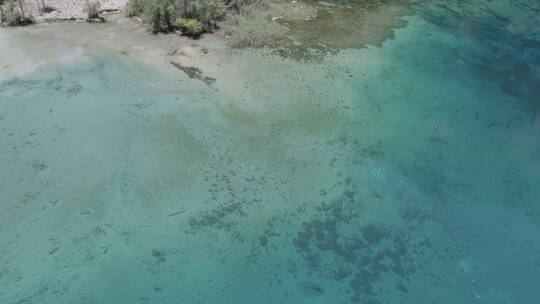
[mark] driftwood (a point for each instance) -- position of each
(176, 213)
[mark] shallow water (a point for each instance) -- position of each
(407, 173)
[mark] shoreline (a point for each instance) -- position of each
(152, 56)
(67, 10)
(205, 60)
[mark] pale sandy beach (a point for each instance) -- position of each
(66, 9)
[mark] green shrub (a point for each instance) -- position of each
(135, 8)
(253, 27)
(212, 12)
(11, 15)
(190, 26)
(239, 4)
(160, 15)
(92, 10)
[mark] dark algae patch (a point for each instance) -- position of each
(342, 25)
(218, 218)
(194, 73)
(354, 26)
(315, 29)
(374, 261)
(373, 258)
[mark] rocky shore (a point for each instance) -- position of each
(65, 9)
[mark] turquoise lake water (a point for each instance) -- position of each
(407, 173)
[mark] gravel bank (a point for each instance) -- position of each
(65, 9)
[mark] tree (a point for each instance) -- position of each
(1, 11)
(38, 7)
(10, 13)
(92, 10)
(21, 6)
(185, 8)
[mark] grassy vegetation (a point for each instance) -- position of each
(11, 14)
(190, 26)
(192, 17)
(92, 10)
(249, 23)
(135, 8)
(254, 27)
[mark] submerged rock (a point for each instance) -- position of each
(194, 73)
